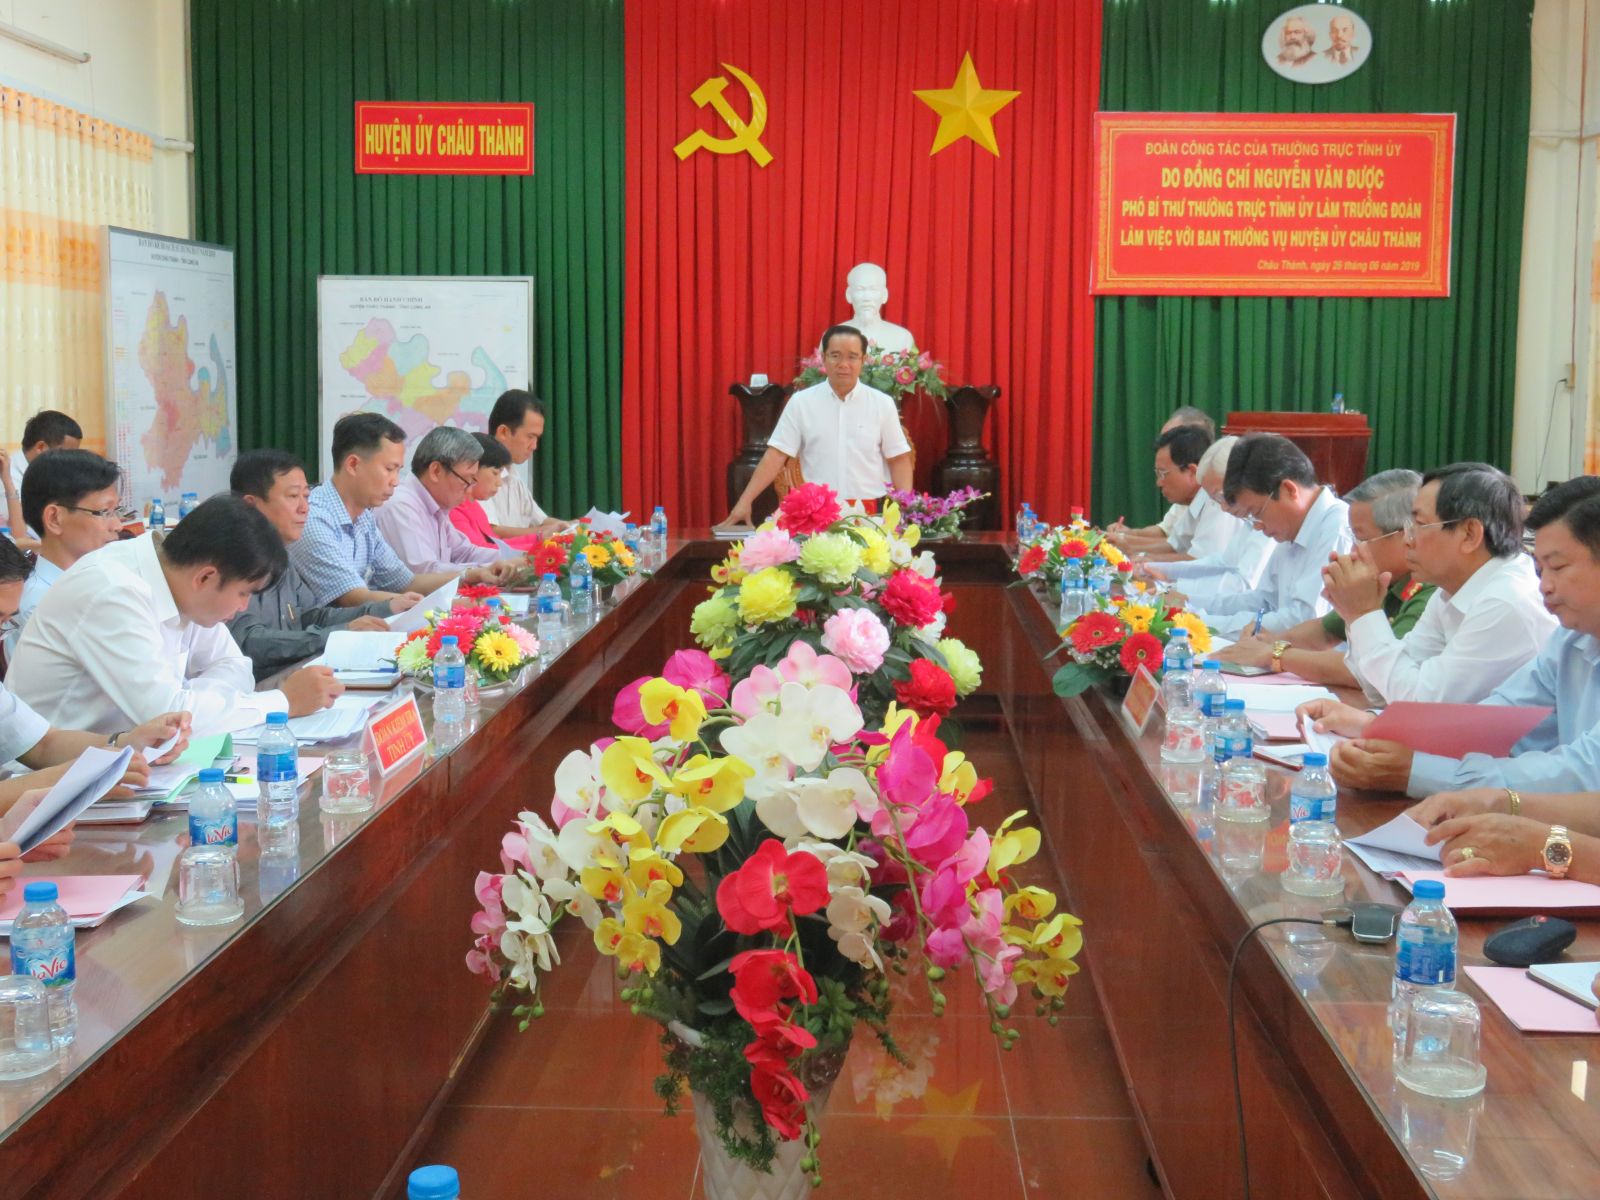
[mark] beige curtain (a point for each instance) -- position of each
(63, 174)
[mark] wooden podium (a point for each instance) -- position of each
(1336, 443)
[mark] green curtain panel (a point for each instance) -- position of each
(275, 87)
(1435, 377)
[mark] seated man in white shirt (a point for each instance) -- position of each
(136, 629)
(517, 422)
(415, 521)
(1229, 555)
(1157, 541)
(1178, 453)
(1484, 623)
(46, 430)
(1272, 481)
(846, 435)
(28, 739)
(70, 498)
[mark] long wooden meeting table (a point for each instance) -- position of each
(304, 1050)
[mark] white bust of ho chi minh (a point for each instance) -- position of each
(866, 291)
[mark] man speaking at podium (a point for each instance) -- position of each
(845, 434)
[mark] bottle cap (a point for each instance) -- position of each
(278, 718)
(550, 576)
(1180, 632)
(449, 639)
(660, 508)
(1234, 705)
(211, 775)
(433, 1183)
(1098, 561)
(40, 892)
(1314, 759)
(1210, 664)
(1425, 889)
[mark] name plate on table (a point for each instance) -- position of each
(397, 734)
(1140, 702)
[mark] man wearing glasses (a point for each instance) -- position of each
(69, 497)
(845, 434)
(416, 520)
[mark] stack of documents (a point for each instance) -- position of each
(1395, 847)
(416, 617)
(88, 899)
(364, 659)
(91, 776)
(345, 716)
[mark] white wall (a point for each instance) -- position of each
(137, 75)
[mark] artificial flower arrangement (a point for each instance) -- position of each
(895, 372)
(854, 587)
(497, 648)
(1045, 557)
(1116, 641)
(761, 862)
(936, 516)
(609, 558)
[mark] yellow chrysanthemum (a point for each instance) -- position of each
(963, 663)
(622, 554)
(766, 596)
(1199, 633)
(1137, 617)
(597, 555)
(497, 651)
(714, 622)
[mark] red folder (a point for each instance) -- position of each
(1455, 730)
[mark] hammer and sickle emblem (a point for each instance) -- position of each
(746, 137)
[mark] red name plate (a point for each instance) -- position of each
(443, 139)
(1273, 204)
(1140, 701)
(397, 734)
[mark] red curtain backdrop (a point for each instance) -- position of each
(732, 268)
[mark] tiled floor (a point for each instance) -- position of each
(565, 1111)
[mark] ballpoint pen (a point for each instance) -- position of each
(1260, 613)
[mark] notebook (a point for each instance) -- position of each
(1573, 980)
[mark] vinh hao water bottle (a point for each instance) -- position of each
(158, 513)
(547, 605)
(1424, 954)
(658, 534)
(1075, 601)
(580, 584)
(278, 773)
(1100, 583)
(213, 816)
(1210, 689)
(449, 685)
(42, 946)
(433, 1183)
(1185, 737)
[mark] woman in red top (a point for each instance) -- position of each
(469, 517)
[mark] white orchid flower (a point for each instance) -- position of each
(811, 721)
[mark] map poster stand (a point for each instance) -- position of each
(423, 350)
(171, 381)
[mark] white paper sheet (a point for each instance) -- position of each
(1269, 697)
(607, 524)
(416, 617)
(1395, 846)
(343, 717)
(350, 651)
(94, 773)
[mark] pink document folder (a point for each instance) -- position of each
(1529, 1005)
(1510, 893)
(1455, 730)
(81, 895)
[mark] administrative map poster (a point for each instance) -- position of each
(171, 387)
(423, 351)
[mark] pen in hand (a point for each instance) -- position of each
(1260, 613)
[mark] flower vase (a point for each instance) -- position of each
(726, 1178)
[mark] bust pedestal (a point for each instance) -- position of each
(966, 463)
(761, 408)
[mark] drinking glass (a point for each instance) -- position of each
(26, 1048)
(346, 782)
(208, 886)
(1439, 1045)
(1315, 860)
(1242, 795)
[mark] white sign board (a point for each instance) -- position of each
(171, 384)
(422, 350)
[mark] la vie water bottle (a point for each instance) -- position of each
(43, 946)
(213, 816)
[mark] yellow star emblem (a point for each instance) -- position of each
(964, 109)
(950, 1120)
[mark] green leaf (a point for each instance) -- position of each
(714, 970)
(1073, 679)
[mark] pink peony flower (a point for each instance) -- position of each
(911, 599)
(857, 638)
(768, 548)
(809, 508)
(804, 665)
(697, 669)
(906, 376)
(925, 361)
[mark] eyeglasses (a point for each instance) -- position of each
(469, 484)
(835, 356)
(10, 625)
(1255, 517)
(1379, 537)
(99, 514)
(1411, 527)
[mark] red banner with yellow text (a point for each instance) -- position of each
(443, 139)
(1269, 204)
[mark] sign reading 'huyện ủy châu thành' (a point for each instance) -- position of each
(413, 138)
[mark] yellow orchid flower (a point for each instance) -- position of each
(680, 709)
(619, 836)
(603, 881)
(911, 535)
(647, 866)
(889, 516)
(696, 830)
(1030, 903)
(958, 777)
(629, 770)
(1059, 937)
(714, 783)
(1049, 975)
(633, 950)
(1012, 846)
(646, 913)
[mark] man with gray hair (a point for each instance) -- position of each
(1486, 619)
(1380, 507)
(1229, 554)
(416, 520)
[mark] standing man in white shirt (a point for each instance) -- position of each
(1486, 621)
(1228, 555)
(845, 434)
(1272, 482)
(517, 422)
(70, 498)
(135, 630)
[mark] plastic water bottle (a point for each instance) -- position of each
(658, 533)
(1075, 601)
(580, 583)
(278, 772)
(1177, 670)
(433, 1183)
(547, 605)
(1100, 583)
(449, 682)
(1209, 689)
(187, 504)
(42, 945)
(1312, 794)
(1424, 954)
(158, 513)
(630, 539)
(213, 817)
(1338, 402)
(1231, 735)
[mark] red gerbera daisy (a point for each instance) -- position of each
(549, 558)
(1074, 548)
(1032, 559)
(1141, 650)
(1093, 630)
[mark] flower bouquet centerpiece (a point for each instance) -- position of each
(853, 587)
(896, 372)
(760, 859)
(1115, 642)
(1045, 558)
(495, 647)
(935, 516)
(609, 557)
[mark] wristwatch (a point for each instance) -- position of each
(1279, 649)
(1557, 852)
